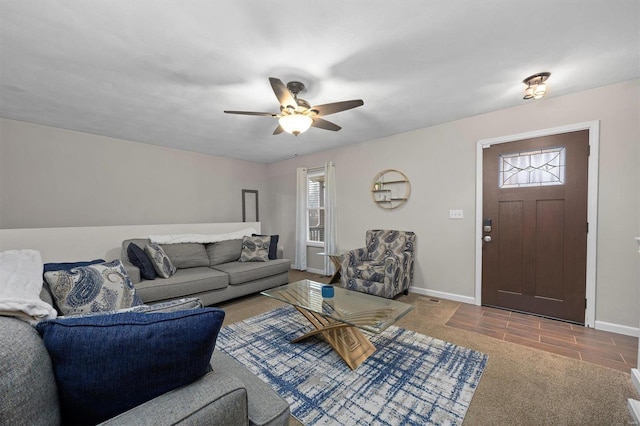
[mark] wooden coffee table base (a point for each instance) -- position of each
(348, 341)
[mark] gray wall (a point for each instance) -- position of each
(440, 162)
(52, 177)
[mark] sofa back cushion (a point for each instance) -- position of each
(27, 384)
(186, 255)
(224, 251)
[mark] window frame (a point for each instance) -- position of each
(310, 176)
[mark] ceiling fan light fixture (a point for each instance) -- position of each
(295, 123)
(536, 86)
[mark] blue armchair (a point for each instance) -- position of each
(384, 267)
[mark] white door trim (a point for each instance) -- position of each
(592, 205)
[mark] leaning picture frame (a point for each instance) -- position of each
(250, 211)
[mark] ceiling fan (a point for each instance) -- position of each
(296, 115)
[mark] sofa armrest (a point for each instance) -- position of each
(132, 270)
(217, 398)
(280, 252)
(401, 260)
(353, 257)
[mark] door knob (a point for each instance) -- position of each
(486, 238)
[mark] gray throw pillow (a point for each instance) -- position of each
(224, 251)
(161, 262)
(94, 288)
(255, 249)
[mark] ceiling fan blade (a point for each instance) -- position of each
(324, 124)
(334, 107)
(282, 93)
(278, 130)
(265, 114)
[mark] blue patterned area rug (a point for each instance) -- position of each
(411, 379)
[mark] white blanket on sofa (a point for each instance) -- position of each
(200, 238)
(20, 286)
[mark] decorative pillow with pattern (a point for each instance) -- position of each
(273, 245)
(255, 249)
(161, 262)
(94, 288)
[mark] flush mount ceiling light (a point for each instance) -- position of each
(536, 86)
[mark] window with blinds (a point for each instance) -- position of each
(315, 207)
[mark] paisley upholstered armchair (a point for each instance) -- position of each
(384, 267)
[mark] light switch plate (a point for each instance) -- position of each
(456, 214)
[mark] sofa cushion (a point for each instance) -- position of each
(185, 282)
(161, 262)
(186, 255)
(224, 251)
(94, 288)
(140, 259)
(367, 270)
(170, 306)
(27, 385)
(255, 249)
(273, 245)
(242, 272)
(105, 365)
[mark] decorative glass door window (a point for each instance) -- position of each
(534, 168)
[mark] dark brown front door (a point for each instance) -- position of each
(535, 251)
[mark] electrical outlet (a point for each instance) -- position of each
(456, 214)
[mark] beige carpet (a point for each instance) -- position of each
(520, 386)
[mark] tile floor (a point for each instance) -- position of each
(599, 347)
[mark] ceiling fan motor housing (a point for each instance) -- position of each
(295, 87)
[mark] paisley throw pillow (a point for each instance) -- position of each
(255, 249)
(161, 262)
(94, 288)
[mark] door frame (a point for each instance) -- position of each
(592, 204)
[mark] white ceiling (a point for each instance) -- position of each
(162, 72)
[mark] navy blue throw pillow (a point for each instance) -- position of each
(139, 258)
(273, 245)
(66, 266)
(105, 365)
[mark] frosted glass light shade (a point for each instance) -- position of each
(528, 93)
(540, 91)
(295, 123)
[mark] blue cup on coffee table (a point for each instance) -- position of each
(327, 291)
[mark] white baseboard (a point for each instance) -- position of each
(635, 378)
(632, 404)
(443, 295)
(634, 410)
(315, 271)
(617, 328)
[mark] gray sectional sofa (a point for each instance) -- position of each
(228, 395)
(210, 272)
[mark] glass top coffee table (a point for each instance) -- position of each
(339, 318)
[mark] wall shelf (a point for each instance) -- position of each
(390, 189)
